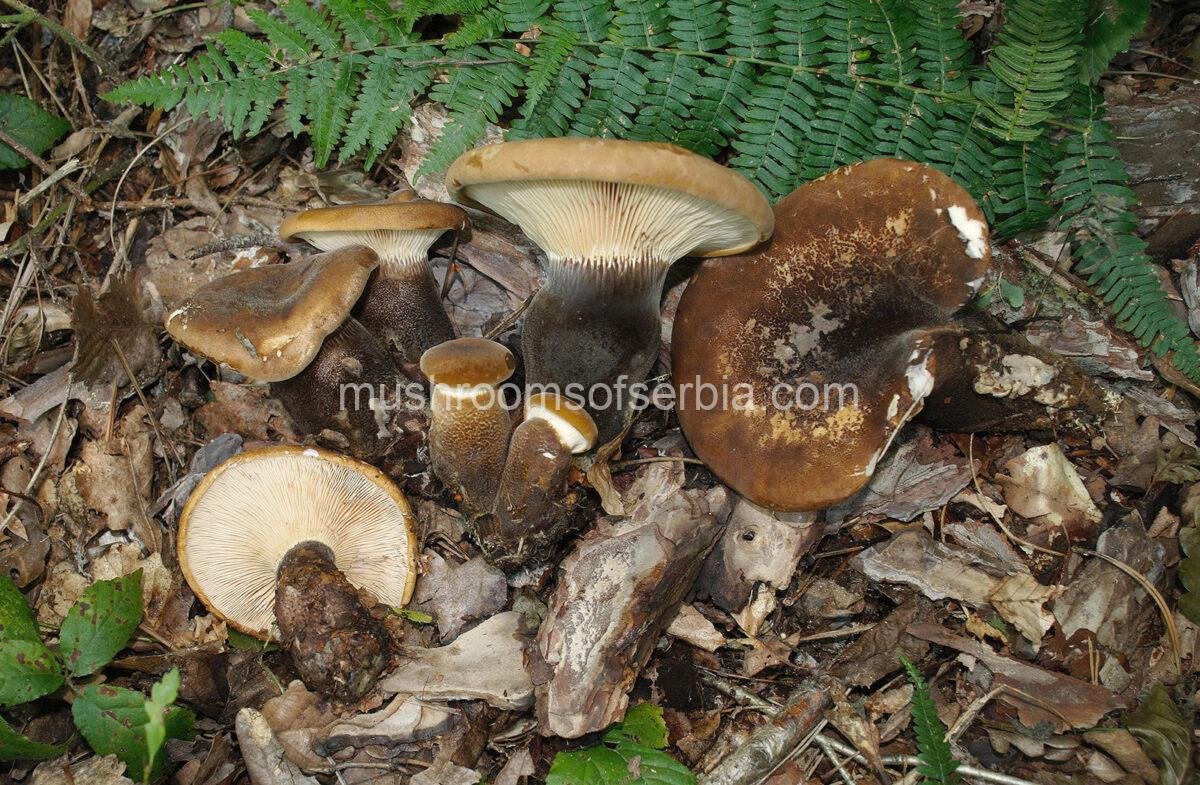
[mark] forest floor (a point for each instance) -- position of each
(1036, 578)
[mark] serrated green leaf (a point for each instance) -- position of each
(28, 670)
(14, 746)
(16, 619)
(1111, 25)
(29, 124)
(113, 721)
(100, 623)
(938, 765)
(416, 617)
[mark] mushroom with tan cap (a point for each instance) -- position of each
(289, 325)
(529, 519)
(402, 303)
(286, 538)
(795, 366)
(469, 423)
(612, 216)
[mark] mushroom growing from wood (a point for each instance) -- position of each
(612, 216)
(402, 303)
(528, 519)
(287, 537)
(821, 342)
(289, 325)
(469, 423)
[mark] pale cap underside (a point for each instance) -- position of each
(251, 510)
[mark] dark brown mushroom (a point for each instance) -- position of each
(820, 344)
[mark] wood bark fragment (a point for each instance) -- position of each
(617, 592)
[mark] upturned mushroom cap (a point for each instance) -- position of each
(825, 332)
(268, 323)
(625, 202)
(573, 426)
(399, 229)
(468, 362)
(246, 514)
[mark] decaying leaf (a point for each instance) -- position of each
(1165, 733)
(111, 334)
(458, 595)
(263, 754)
(1020, 600)
(873, 655)
(1044, 487)
(937, 570)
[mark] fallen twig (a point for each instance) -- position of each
(102, 62)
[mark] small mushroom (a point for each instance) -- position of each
(469, 423)
(795, 366)
(402, 303)
(286, 537)
(289, 325)
(612, 216)
(528, 519)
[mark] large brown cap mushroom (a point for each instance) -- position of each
(469, 424)
(268, 323)
(795, 366)
(402, 303)
(290, 324)
(250, 512)
(612, 216)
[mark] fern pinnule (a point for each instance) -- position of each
(938, 766)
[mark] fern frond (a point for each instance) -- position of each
(316, 27)
(1035, 56)
(938, 766)
(943, 53)
(1091, 187)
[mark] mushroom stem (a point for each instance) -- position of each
(589, 332)
(468, 440)
(528, 519)
(336, 645)
(403, 306)
(344, 389)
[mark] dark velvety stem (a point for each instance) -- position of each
(528, 520)
(341, 390)
(406, 313)
(337, 646)
(589, 334)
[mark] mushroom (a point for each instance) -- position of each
(469, 423)
(528, 519)
(289, 325)
(287, 537)
(612, 216)
(795, 366)
(402, 303)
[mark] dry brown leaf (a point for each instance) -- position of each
(110, 333)
(1044, 487)
(1020, 600)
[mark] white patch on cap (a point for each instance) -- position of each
(461, 392)
(567, 434)
(311, 453)
(971, 230)
(920, 380)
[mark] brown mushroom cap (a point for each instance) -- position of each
(571, 423)
(863, 263)
(610, 198)
(403, 211)
(268, 323)
(468, 362)
(249, 512)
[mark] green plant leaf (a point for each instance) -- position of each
(14, 746)
(100, 623)
(16, 619)
(28, 670)
(113, 720)
(162, 695)
(1110, 26)
(1165, 733)
(630, 755)
(29, 124)
(938, 765)
(1013, 295)
(643, 724)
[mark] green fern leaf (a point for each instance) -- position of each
(1110, 26)
(314, 25)
(642, 23)
(938, 766)
(360, 30)
(286, 39)
(329, 102)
